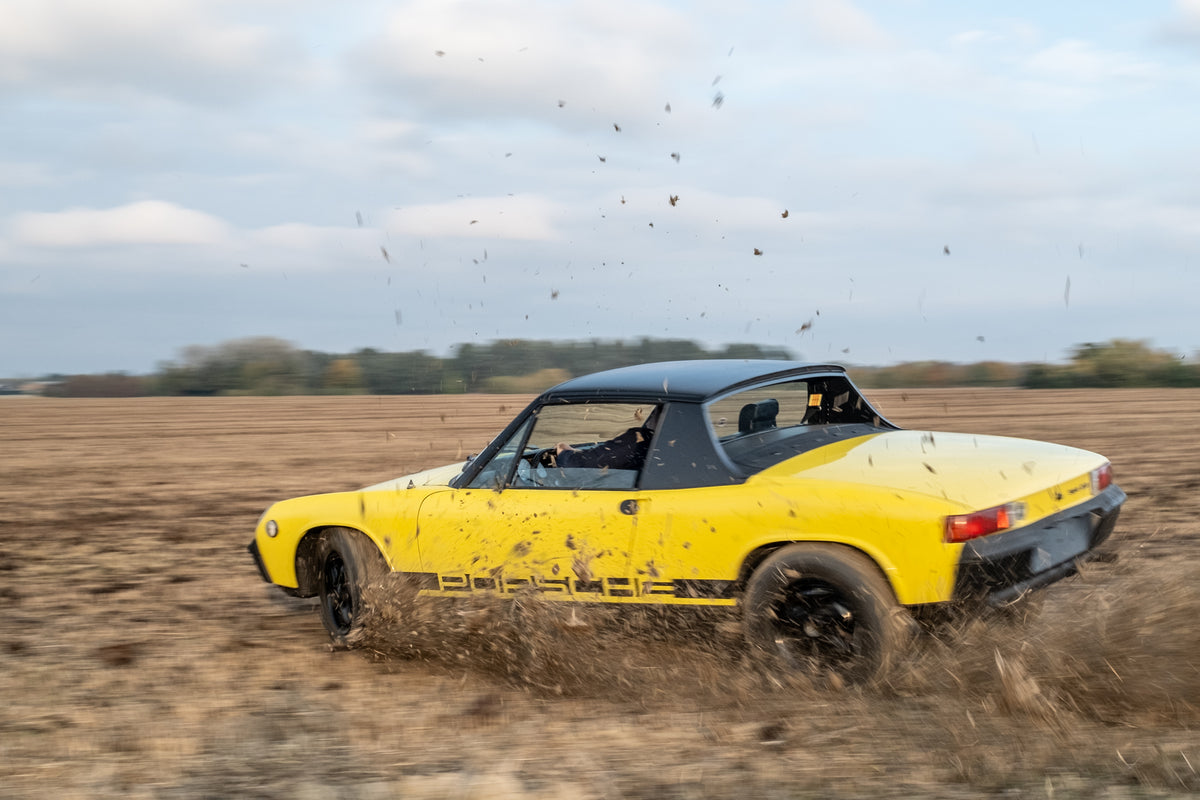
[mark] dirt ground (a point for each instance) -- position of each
(142, 656)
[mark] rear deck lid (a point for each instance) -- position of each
(973, 471)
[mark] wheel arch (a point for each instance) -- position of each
(852, 625)
(307, 555)
(758, 555)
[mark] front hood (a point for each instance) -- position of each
(973, 471)
(438, 476)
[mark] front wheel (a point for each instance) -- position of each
(823, 608)
(350, 574)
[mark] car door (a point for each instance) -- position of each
(526, 523)
(571, 544)
(686, 548)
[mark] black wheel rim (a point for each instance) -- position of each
(814, 623)
(338, 599)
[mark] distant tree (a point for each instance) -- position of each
(264, 365)
(1175, 372)
(1116, 363)
(753, 351)
(1042, 376)
(402, 373)
(992, 373)
(113, 384)
(473, 364)
(343, 376)
(258, 365)
(533, 383)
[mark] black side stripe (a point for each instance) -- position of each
(709, 590)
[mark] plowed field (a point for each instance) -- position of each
(142, 656)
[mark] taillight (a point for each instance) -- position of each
(963, 527)
(1101, 478)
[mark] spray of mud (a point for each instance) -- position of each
(1122, 650)
(642, 654)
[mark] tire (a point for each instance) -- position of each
(821, 609)
(350, 573)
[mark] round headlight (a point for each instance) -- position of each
(272, 528)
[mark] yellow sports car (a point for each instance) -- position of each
(771, 486)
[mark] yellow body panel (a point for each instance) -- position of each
(561, 542)
(972, 472)
(707, 534)
(387, 515)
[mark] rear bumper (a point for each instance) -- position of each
(998, 569)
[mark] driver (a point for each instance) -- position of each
(624, 451)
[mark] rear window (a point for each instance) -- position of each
(763, 425)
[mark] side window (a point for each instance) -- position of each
(781, 405)
(587, 446)
(497, 471)
(765, 424)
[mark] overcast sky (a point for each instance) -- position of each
(867, 182)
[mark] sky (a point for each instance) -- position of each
(862, 182)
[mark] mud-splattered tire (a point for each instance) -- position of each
(823, 609)
(350, 573)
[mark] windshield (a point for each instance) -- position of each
(574, 446)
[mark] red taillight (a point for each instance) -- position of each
(964, 527)
(1101, 478)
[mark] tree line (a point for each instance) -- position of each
(269, 366)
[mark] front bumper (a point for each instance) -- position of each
(995, 570)
(258, 562)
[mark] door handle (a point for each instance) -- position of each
(629, 507)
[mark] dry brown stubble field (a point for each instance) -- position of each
(142, 656)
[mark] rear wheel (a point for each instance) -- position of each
(350, 572)
(823, 609)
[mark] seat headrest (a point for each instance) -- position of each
(758, 416)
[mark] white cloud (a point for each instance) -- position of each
(843, 24)
(474, 58)
(16, 174)
(528, 217)
(315, 238)
(388, 131)
(700, 209)
(973, 37)
(1185, 23)
(170, 48)
(1074, 60)
(1171, 223)
(145, 222)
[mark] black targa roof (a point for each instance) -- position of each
(691, 457)
(685, 381)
